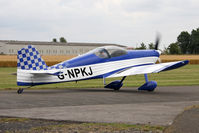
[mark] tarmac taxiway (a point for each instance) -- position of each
(101, 105)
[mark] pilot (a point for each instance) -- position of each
(103, 54)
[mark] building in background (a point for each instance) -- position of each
(10, 47)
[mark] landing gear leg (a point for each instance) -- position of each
(122, 79)
(20, 90)
(121, 84)
(104, 80)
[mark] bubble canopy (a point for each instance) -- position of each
(108, 51)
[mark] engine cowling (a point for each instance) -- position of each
(148, 86)
(116, 85)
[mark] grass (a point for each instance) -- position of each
(192, 107)
(3, 120)
(185, 76)
(29, 125)
(98, 127)
(122, 126)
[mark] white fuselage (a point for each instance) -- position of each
(81, 72)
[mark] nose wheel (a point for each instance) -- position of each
(19, 91)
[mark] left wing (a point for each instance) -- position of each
(155, 68)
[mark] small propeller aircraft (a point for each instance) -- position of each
(103, 62)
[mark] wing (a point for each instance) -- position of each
(155, 68)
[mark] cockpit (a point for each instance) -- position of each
(109, 51)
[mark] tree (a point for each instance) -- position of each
(165, 51)
(143, 46)
(189, 43)
(62, 40)
(194, 43)
(184, 42)
(151, 46)
(174, 48)
(54, 40)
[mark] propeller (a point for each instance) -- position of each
(157, 42)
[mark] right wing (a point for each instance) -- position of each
(155, 68)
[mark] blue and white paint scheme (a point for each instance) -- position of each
(103, 62)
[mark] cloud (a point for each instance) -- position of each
(115, 21)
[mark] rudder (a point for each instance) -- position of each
(30, 59)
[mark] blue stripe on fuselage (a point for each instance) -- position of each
(91, 58)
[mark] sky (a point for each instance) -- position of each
(125, 22)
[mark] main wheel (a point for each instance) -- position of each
(117, 89)
(20, 91)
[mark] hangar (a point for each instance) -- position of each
(10, 47)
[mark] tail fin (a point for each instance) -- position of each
(30, 59)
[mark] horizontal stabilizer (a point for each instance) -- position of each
(46, 72)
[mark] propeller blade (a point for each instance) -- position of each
(157, 42)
